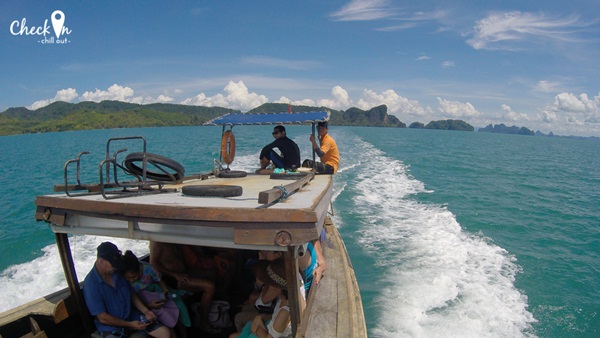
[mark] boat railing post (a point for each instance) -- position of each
(314, 158)
(293, 287)
(64, 249)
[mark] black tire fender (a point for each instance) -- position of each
(156, 161)
(232, 174)
(212, 190)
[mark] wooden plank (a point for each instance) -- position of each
(336, 310)
(44, 306)
(268, 236)
(355, 312)
(271, 195)
(60, 312)
(108, 209)
(323, 310)
(291, 272)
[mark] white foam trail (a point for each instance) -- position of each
(439, 281)
(25, 282)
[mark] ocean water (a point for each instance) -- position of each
(451, 234)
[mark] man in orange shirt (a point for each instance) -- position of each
(327, 151)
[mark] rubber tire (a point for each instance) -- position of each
(178, 169)
(232, 174)
(212, 190)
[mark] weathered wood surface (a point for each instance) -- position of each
(174, 217)
(52, 306)
(271, 195)
(336, 310)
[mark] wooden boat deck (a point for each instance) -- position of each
(337, 298)
(239, 222)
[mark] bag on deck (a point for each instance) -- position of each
(219, 314)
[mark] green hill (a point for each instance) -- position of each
(374, 117)
(450, 125)
(63, 116)
(503, 129)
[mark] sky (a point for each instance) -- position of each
(533, 63)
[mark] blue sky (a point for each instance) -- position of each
(526, 63)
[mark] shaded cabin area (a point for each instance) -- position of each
(238, 223)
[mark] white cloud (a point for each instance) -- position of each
(148, 99)
(304, 102)
(197, 100)
(423, 57)
(396, 28)
(66, 95)
(512, 115)
(236, 96)
(340, 100)
(280, 63)
(548, 116)
(397, 105)
(114, 92)
(364, 10)
(546, 86)
(123, 94)
(455, 109)
(572, 114)
(448, 64)
(504, 30)
(577, 109)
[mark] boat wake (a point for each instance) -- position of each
(25, 282)
(431, 278)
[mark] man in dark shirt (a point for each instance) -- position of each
(290, 153)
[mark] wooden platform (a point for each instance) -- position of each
(337, 297)
(238, 222)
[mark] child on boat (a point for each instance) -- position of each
(166, 304)
(272, 273)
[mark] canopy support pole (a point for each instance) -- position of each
(293, 287)
(64, 250)
(314, 163)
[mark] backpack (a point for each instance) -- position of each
(219, 314)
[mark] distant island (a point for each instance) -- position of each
(444, 125)
(501, 128)
(63, 116)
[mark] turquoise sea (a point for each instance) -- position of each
(451, 234)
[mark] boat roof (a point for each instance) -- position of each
(171, 216)
(269, 118)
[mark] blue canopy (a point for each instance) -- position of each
(270, 118)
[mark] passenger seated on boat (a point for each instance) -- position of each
(217, 265)
(272, 273)
(169, 260)
(319, 271)
(290, 153)
(327, 151)
(263, 298)
(309, 264)
(167, 304)
(117, 311)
